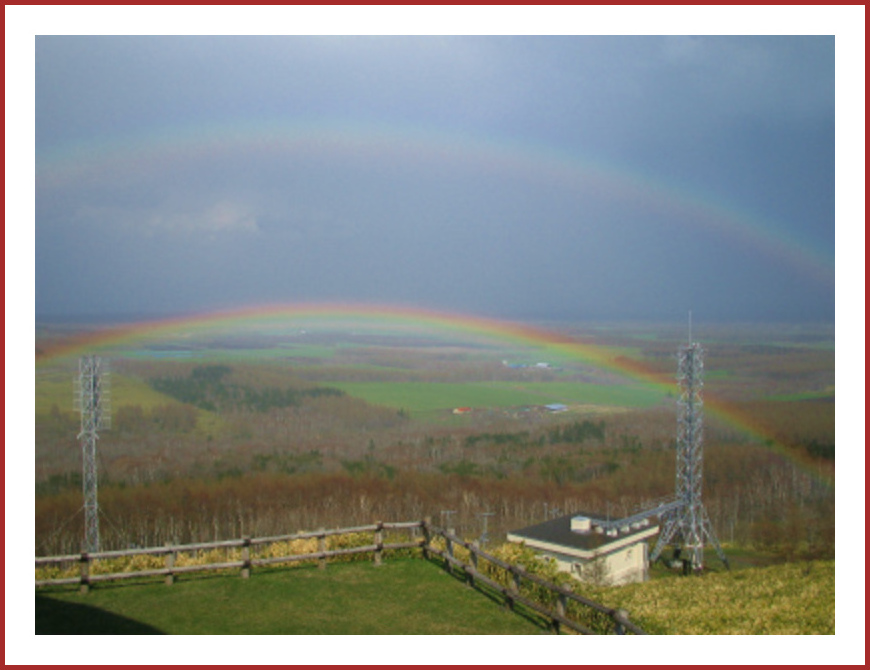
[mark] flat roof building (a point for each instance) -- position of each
(582, 546)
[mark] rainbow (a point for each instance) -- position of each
(350, 315)
(406, 319)
(358, 144)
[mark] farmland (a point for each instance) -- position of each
(223, 434)
(421, 398)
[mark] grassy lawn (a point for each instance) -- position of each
(400, 597)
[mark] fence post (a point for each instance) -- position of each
(514, 588)
(449, 564)
(84, 572)
(246, 557)
(561, 609)
(170, 563)
(620, 618)
(427, 536)
(321, 547)
(379, 542)
(469, 574)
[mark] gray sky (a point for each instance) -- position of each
(517, 177)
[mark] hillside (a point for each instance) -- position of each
(411, 596)
(786, 599)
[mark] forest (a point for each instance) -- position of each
(267, 437)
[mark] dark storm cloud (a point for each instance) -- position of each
(747, 122)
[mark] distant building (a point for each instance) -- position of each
(462, 410)
(522, 366)
(556, 407)
(582, 547)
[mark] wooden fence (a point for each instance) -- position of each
(481, 570)
(87, 577)
(515, 576)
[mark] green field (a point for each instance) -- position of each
(418, 397)
(57, 389)
(408, 597)
(221, 354)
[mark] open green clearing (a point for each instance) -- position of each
(427, 397)
(56, 389)
(411, 597)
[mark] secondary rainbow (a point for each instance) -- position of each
(365, 145)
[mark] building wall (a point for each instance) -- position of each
(624, 566)
(628, 565)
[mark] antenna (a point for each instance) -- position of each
(92, 399)
(685, 522)
(484, 536)
(686, 525)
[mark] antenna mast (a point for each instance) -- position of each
(92, 400)
(688, 526)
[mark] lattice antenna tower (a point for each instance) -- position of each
(687, 527)
(92, 400)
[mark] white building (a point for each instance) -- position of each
(582, 546)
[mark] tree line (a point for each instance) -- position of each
(206, 388)
(754, 499)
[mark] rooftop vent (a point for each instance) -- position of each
(581, 524)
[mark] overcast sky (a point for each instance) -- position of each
(516, 177)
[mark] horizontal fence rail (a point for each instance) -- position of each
(170, 552)
(515, 575)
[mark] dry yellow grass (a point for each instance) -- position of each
(788, 599)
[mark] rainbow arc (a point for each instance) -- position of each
(394, 318)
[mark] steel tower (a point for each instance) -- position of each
(92, 399)
(687, 526)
